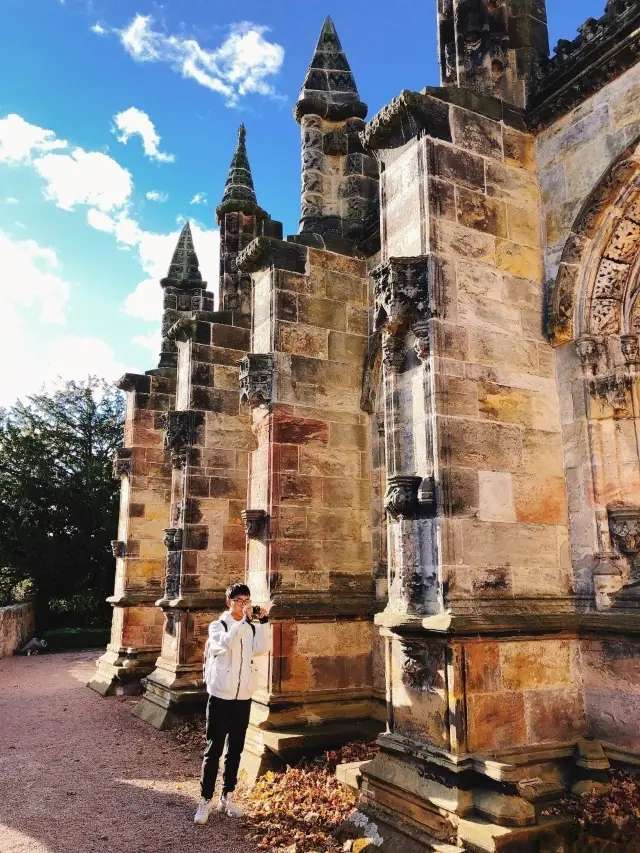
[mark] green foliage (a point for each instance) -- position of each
(58, 501)
(59, 639)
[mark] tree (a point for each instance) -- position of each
(58, 501)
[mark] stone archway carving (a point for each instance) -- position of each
(590, 296)
(594, 307)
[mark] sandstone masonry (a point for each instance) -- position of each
(412, 427)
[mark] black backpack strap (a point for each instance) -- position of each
(253, 628)
(224, 625)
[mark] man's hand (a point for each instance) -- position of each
(263, 613)
(248, 611)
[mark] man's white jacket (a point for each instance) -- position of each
(228, 662)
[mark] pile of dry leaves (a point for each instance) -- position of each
(614, 815)
(296, 810)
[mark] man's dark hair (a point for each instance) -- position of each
(236, 589)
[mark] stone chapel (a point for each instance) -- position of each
(414, 428)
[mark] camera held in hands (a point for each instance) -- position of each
(255, 611)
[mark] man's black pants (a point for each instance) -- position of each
(226, 718)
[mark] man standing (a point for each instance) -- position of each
(234, 640)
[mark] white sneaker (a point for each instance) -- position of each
(202, 815)
(227, 807)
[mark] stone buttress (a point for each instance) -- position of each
(143, 467)
(207, 436)
(309, 503)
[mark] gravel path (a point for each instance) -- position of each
(79, 774)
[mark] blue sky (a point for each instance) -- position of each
(118, 120)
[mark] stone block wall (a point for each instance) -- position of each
(17, 624)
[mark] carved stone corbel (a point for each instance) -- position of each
(254, 522)
(256, 379)
(402, 500)
(118, 548)
(589, 349)
(630, 346)
(624, 528)
(122, 462)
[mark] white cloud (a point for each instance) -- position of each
(243, 64)
(98, 29)
(157, 195)
(134, 121)
(41, 289)
(10, 200)
(20, 141)
(151, 342)
(199, 198)
(33, 359)
(84, 177)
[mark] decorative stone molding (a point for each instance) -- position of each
(589, 350)
(630, 346)
(254, 522)
(613, 388)
(624, 528)
(264, 252)
(256, 379)
(118, 548)
(401, 500)
(404, 118)
(122, 462)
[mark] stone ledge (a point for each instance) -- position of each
(448, 625)
(264, 252)
(350, 774)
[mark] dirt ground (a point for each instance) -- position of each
(79, 774)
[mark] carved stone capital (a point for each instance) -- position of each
(256, 379)
(613, 388)
(624, 529)
(404, 291)
(254, 522)
(118, 548)
(589, 349)
(393, 351)
(173, 538)
(630, 346)
(401, 500)
(122, 462)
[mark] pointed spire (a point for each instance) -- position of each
(184, 270)
(329, 89)
(239, 194)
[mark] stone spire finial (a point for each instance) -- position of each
(184, 270)
(239, 194)
(329, 89)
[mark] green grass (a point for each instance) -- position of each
(75, 638)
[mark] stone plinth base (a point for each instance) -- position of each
(388, 834)
(121, 671)
(163, 708)
(269, 749)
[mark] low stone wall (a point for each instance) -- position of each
(17, 623)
